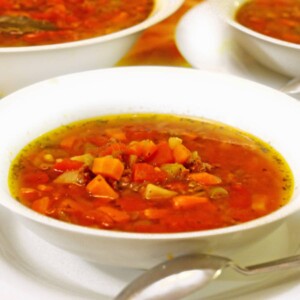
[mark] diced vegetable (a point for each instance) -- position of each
(174, 141)
(41, 205)
(163, 154)
(156, 213)
(259, 202)
(29, 194)
(116, 214)
(71, 205)
(132, 159)
(108, 166)
(181, 153)
(205, 178)
(36, 177)
(174, 170)
(115, 149)
(154, 192)
(185, 201)
(67, 164)
(87, 159)
(98, 187)
(68, 177)
(116, 133)
(145, 172)
(68, 142)
(218, 192)
(48, 157)
(142, 149)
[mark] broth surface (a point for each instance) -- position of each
(275, 18)
(150, 173)
(67, 20)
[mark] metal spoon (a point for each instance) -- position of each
(181, 276)
(19, 25)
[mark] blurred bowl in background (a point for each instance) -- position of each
(278, 55)
(21, 66)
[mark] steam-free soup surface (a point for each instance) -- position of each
(275, 18)
(150, 173)
(41, 22)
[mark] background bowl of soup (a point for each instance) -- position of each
(267, 30)
(132, 91)
(75, 36)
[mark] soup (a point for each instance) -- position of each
(40, 22)
(275, 18)
(150, 173)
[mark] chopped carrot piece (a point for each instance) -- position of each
(99, 187)
(114, 149)
(68, 142)
(163, 154)
(116, 133)
(67, 164)
(144, 148)
(156, 213)
(185, 201)
(259, 202)
(41, 205)
(145, 172)
(29, 194)
(205, 178)
(116, 214)
(35, 177)
(108, 166)
(181, 153)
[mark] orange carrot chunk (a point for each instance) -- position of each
(116, 133)
(162, 155)
(185, 201)
(68, 142)
(143, 149)
(181, 153)
(116, 214)
(205, 178)
(41, 205)
(98, 187)
(156, 213)
(108, 166)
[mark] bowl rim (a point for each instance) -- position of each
(162, 9)
(33, 216)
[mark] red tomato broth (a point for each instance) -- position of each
(73, 19)
(279, 19)
(230, 177)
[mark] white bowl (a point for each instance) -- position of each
(264, 112)
(279, 56)
(21, 66)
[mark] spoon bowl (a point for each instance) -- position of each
(184, 275)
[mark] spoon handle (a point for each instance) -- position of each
(274, 265)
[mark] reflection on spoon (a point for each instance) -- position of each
(184, 275)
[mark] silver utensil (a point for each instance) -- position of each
(182, 276)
